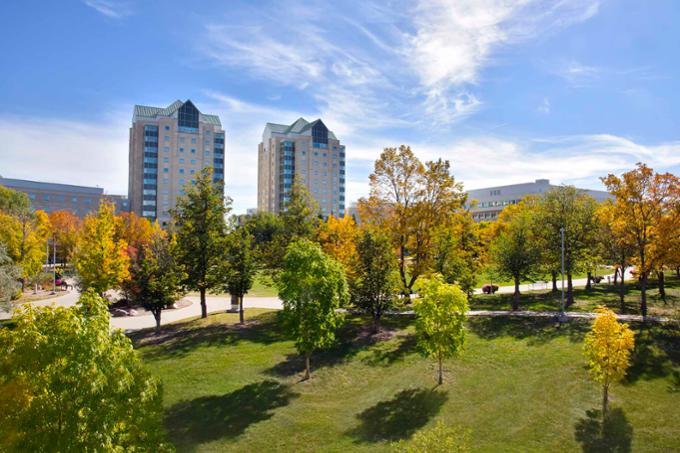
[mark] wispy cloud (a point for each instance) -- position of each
(404, 64)
(544, 106)
(110, 8)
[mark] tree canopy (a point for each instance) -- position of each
(68, 383)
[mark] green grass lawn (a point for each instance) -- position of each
(520, 386)
(587, 300)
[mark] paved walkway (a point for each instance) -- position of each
(222, 303)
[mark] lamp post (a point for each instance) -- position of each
(562, 302)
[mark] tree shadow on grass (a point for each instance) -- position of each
(179, 339)
(656, 353)
(399, 417)
(386, 356)
(614, 435)
(536, 330)
(354, 336)
(208, 418)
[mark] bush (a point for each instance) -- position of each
(438, 439)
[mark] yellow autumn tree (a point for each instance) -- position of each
(25, 234)
(102, 262)
(607, 347)
(338, 236)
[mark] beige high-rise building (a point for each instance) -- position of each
(306, 149)
(168, 149)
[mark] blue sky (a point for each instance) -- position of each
(509, 91)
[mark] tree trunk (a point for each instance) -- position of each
(240, 309)
(157, 317)
(605, 399)
(622, 292)
(677, 271)
(204, 307)
(570, 290)
(616, 275)
(554, 281)
(643, 294)
(441, 377)
(588, 279)
(308, 369)
(515, 296)
(376, 323)
(662, 285)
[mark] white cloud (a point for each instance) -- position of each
(69, 152)
(544, 106)
(110, 8)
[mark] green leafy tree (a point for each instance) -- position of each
(440, 319)
(512, 252)
(9, 278)
(201, 227)
(156, 276)
(70, 384)
(607, 347)
(312, 287)
(266, 229)
(438, 439)
(569, 208)
(300, 216)
(376, 281)
(240, 267)
(101, 261)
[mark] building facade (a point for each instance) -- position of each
(168, 149)
(51, 197)
(490, 201)
(309, 151)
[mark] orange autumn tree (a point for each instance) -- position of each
(65, 227)
(642, 199)
(338, 236)
(407, 200)
(101, 260)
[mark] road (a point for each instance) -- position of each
(222, 303)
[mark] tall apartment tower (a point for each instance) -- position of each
(168, 148)
(306, 149)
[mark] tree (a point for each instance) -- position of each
(155, 275)
(200, 220)
(9, 277)
(338, 238)
(440, 319)
(300, 216)
(569, 208)
(642, 198)
(438, 439)
(266, 229)
(375, 282)
(408, 199)
(458, 251)
(312, 287)
(24, 234)
(68, 383)
(240, 266)
(607, 347)
(65, 226)
(102, 262)
(616, 245)
(512, 251)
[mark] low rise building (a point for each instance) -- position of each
(485, 204)
(51, 197)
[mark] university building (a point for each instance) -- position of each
(490, 201)
(51, 197)
(169, 146)
(308, 150)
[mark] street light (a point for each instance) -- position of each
(562, 303)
